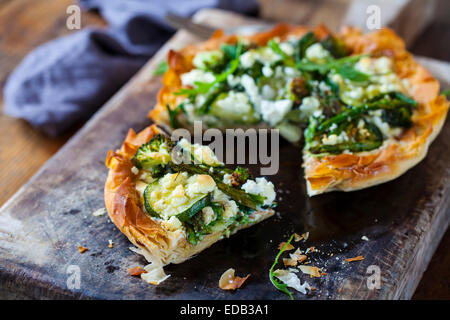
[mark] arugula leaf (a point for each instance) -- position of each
(289, 61)
(279, 285)
(204, 87)
(161, 68)
(350, 73)
(326, 67)
(230, 50)
(174, 123)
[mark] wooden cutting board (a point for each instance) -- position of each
(43, 224)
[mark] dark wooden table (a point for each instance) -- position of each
(26, 24)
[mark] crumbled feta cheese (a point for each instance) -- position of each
(231, 209)
(267, 92)
(287, 48)
(290, 72)
(196, 75)
(267, 71)
(236, 102)
(199, 184)
(385, 128)
(233, 80)
(309, 106)
(317, 53)
(356, 93)
(206, 58)
(135, 170)
(324, 87)
(227, 178)
(204, 154)
(333, 139)
(274, 111)
(252, 90)
(208, 215)
(265, 55)
(172, 224)
(262, 187)
(383, 65)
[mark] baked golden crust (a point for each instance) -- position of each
(160, 246)
(345, 172)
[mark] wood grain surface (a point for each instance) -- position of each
(25, 24)
(42, 225)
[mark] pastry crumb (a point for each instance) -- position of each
(358, 258)
(228, 281)
(82, 249)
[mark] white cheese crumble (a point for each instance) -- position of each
(135, 170)
(196, 75)
(317, 53)
(264, 55)
(267, 71)
(237, 102)
(252, 90)
(227, 178)
(333, 139)
(384, 127)
(262, 187)
(204, 154)
(208, 215)
(309, 106)
(274, 111)
(287, 48)
(205, 58)
(172, 224)
(267, 92)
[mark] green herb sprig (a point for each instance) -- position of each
(279, 285)
(342, 66)
(161, 68)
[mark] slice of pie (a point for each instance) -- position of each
(363, 108)
(174, 199)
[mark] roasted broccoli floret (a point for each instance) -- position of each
(154, 153)
(240, 176)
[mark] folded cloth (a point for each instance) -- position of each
(68, 79)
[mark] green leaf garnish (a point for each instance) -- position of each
(350, 73)
(289, 61)
(204, 87)
(161, 68)
(173, 113)
(446, 92)
(328, 66)
(279, 285)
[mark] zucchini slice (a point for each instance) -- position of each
(183, 212)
